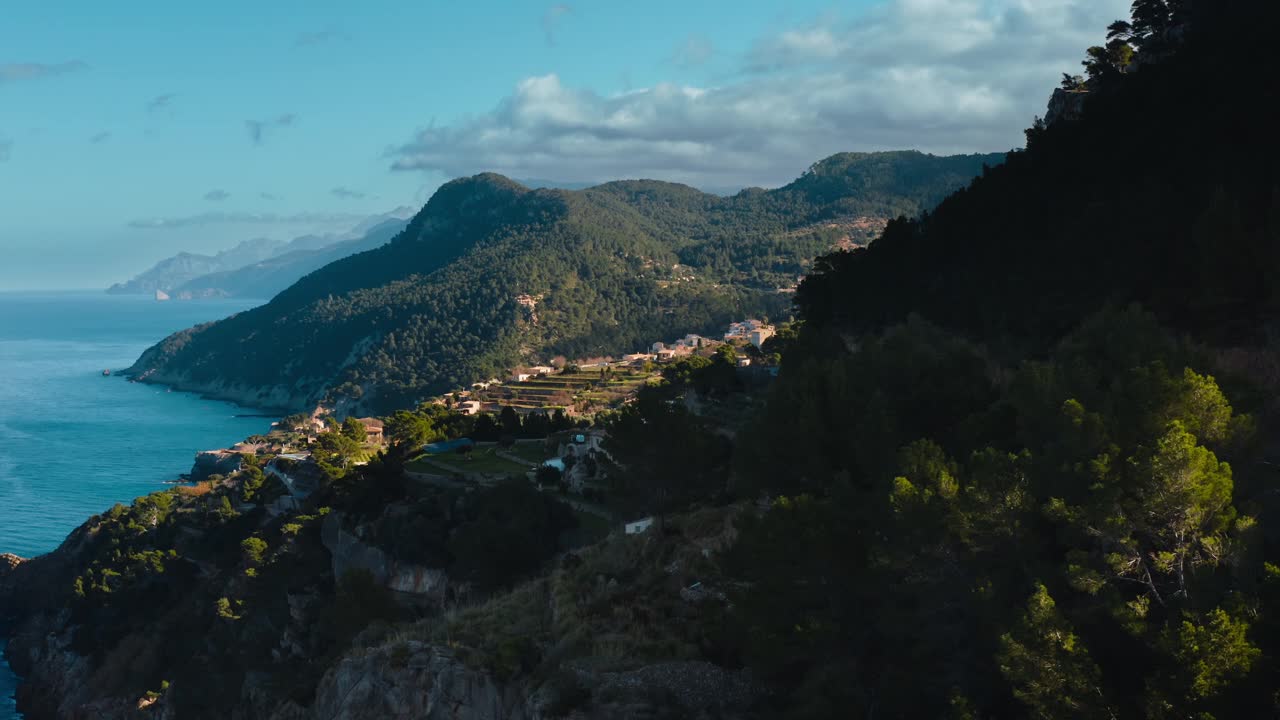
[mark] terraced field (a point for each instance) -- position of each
(582, 389)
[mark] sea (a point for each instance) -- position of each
(74, 442)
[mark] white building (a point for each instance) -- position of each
(639, 526)
(742, 330)
(759, 335)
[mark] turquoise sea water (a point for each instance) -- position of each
(72, 442)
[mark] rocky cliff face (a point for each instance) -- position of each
(1065, 105)
(162, 610)
(415, 680)
(350, 553)
(279, 397)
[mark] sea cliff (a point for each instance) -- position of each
(372, 597)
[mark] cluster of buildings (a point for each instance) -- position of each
(522, 374)
(686, 345)
(373, 427)
(752, 331)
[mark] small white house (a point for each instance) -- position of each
(759, 335)
(639, 526)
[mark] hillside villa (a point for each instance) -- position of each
(752, 331)
(373, 430)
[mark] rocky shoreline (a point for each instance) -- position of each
(276, 400)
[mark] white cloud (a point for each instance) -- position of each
(346, 193)
(217, 195)
(937, 75)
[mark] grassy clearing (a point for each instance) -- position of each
(482, 460)
(534, 452)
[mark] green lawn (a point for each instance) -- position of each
(481, 460)
(534, 452)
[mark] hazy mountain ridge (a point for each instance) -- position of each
(279, 263)
(185, 266)
(268, 277)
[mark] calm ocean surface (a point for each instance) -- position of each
(72, 442)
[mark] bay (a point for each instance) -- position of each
(73, 442)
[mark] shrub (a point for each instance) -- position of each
(255, 550)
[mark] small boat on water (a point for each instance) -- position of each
(106, 373)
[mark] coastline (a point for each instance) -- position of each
(244, 397)
(12, 681)
(72, 442)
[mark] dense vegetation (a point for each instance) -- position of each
(613, 269)
(1164, 193)
(1081, 535)
(1001, 490)
(191, 589)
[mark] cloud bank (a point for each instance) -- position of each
(936, 75)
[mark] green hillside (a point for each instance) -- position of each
(612, 269)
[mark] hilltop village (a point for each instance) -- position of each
(543, 423)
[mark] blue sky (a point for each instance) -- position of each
(130, 131)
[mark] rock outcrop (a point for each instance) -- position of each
(351, 553)
(1065, 105)
(215, 462)
(8, 561)
(414, 680)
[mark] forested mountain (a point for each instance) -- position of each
(605, 270)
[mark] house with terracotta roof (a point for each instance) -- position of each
(373, 428)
